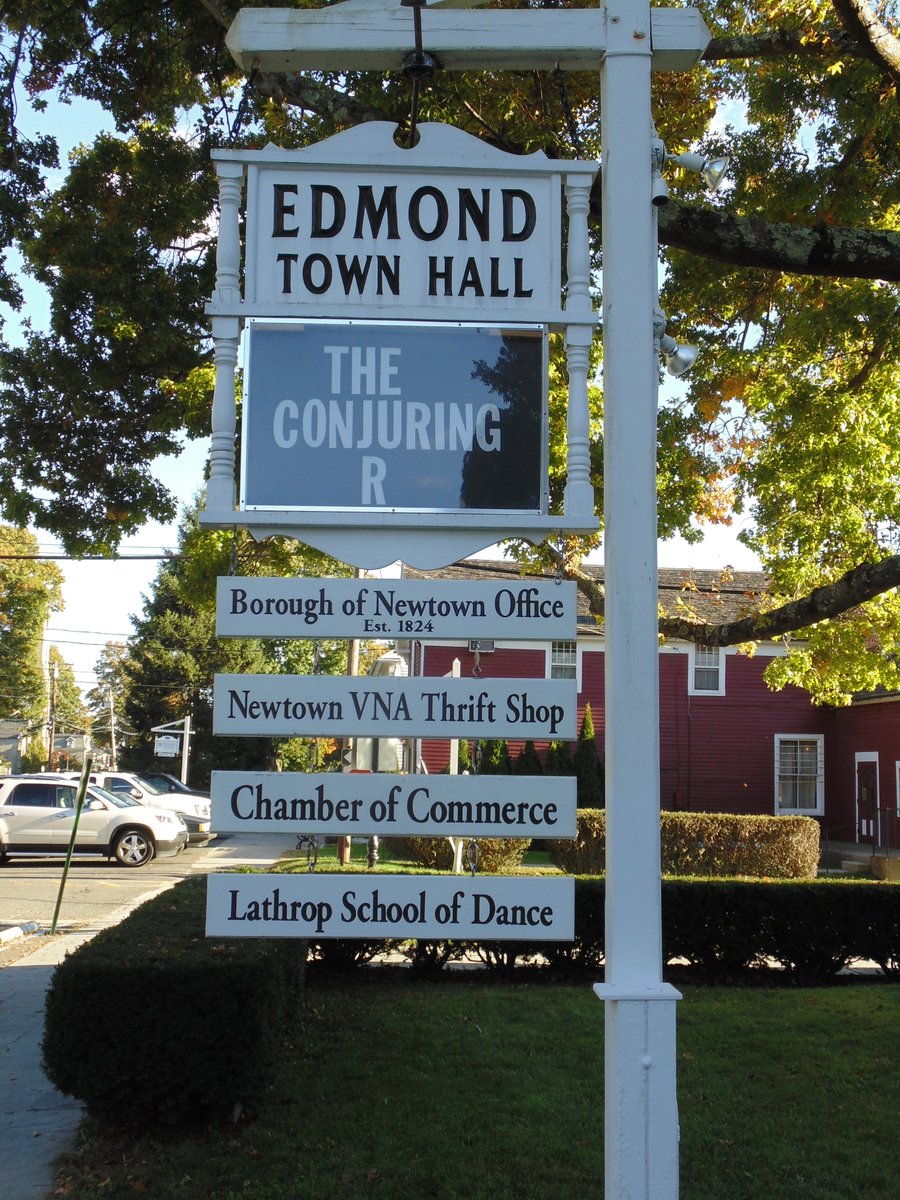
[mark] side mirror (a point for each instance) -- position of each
(135, 793)
(94, 805)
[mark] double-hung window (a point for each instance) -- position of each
(563, 663)
(707, 671)
(799, 773)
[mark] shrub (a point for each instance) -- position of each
(730, 929)
(587, 765)
(528, 761)
(152, 1023)
(585, 854)
(726, 844)
(711, 844)
(495, 855)
(558, 760)
(493, 757)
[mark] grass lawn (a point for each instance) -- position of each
(401, 1088)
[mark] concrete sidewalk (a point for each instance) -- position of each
(37, 1123)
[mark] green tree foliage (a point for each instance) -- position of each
(586, 764)
(786, 279)
(528, 762)
(71, 714)
(558, 759)
(167, 670)
(493, 757)
(106, 700)
(29, 591)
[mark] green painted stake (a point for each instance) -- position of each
(79, 804)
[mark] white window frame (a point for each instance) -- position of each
(694, 665)
(548, 670)
(819, 739)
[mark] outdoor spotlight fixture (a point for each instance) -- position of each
(679, 357)
(711, 170)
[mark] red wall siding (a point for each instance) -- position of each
(717, 753)
(863, 727)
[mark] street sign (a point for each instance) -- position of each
(530, 609)
(349, 706)
(446, 232)
(322, 906)
(340, 803)
(420, 417)
(166, 746)
(452, 445)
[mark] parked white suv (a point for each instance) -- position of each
(37, 814)
(193, 810)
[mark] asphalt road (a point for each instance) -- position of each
(29, 885)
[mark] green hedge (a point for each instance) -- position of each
(152, 1022)
(807, 929)
(496, 856)
(711, 844)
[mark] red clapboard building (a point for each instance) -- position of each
(728, 743)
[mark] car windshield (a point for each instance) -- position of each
(116, 798)
(151, 787)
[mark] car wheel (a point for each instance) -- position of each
(133, 848)
(3, 854)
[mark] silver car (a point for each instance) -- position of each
(193, 809)
(37, 814)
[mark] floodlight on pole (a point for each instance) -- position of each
(711, 170)
(679, 356)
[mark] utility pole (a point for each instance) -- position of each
(112, 728)
(51, 717)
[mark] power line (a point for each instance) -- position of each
(107, 558)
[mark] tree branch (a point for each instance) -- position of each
(775, 246)
(863, 25)
(781, 43)
(304, 91)
(860, 584)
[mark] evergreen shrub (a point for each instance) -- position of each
(495, 855)
(151, 1023)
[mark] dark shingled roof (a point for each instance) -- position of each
(710, 596)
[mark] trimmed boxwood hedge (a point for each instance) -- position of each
(496, 856)
(808, 930)
(710, 844)
(151, 1022)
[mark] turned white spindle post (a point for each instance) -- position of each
(579, 497)
(220, 490)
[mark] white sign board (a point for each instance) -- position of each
(396, 608)
(391, 805)
(349, 706)
(419, 906)
(358, 224)
(422, 417)
(166, 745)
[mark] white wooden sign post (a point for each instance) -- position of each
(624, 40)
